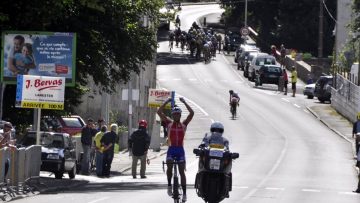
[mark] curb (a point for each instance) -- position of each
(329, 126)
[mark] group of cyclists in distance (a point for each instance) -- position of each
(200, 43)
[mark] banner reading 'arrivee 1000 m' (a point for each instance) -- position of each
(40, 92)
(38, 53)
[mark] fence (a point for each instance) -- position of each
(345, 98)
(23, 166)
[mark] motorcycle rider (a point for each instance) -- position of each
(215, 139)
(215, 136)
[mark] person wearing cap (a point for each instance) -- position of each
(176, 134)
(87, 133)
(139, 143)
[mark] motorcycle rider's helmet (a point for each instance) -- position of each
(175, 110)
(358, 116)
(217, 127)
(143, 123)
(231, 91)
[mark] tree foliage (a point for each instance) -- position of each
(111, 40)
(291, 22)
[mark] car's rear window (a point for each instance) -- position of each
(272, 69)
(73, 122)
(265, 61)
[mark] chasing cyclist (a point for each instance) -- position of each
(176, 134)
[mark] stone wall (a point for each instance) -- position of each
(345, 98)
(303, 69)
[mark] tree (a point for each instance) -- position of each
(111, 41)
(292, 22)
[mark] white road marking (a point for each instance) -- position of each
(348, 193)
(306, 111)
(99, 200)
(197, 106)
(224, 81)
(285, 99)
(297, 106)
(177, 79)
(310, 190)
(270, 173)
(192, 79)
(240, 187)
(274, 188)
(239, 81)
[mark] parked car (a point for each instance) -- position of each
(309, 90)
(323, 88)
(244, 55)
(57, 152)
(65, 124)
(259, 60)
(269, 74)
(247, 63)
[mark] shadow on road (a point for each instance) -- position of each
(111, 187)
(166, 58)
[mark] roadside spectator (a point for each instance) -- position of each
(108, 141)
(355, 131)
(282, 55)
(219, 41)
(163, 124)
(99, 151)
(6, 141)
(139, 143)
(356, 134)
(87, 134)
(286, 80)
(293, 80)
(273, 51)
(100, 123)
(309, 79)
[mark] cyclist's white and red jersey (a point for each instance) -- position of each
(176, 133)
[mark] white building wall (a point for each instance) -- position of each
(343, 20)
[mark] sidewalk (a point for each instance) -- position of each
(334, 121)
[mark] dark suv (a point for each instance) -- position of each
(57, 152)
(323, 88)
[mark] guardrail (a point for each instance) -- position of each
(23, 166)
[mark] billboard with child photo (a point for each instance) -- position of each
(38, 53)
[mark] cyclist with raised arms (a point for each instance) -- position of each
(176, 134)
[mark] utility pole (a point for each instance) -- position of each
(321, 29)
(130, 107)
(245, 23)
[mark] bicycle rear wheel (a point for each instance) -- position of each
(176, 194)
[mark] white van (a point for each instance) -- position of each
(259, 60)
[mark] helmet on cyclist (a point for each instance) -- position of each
(176, 110)
(231, 91)
(217, 127)
(358, 116)
(143, 123)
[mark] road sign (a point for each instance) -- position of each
(244, 31)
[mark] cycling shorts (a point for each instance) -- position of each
(177, 153)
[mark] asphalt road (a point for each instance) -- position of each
(286, 155)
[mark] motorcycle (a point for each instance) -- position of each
(213, 180)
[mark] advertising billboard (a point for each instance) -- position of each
(157, 97)
(38, 53)
(40, 92)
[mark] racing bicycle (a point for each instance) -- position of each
(176, 190)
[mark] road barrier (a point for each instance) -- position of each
(23, 166)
